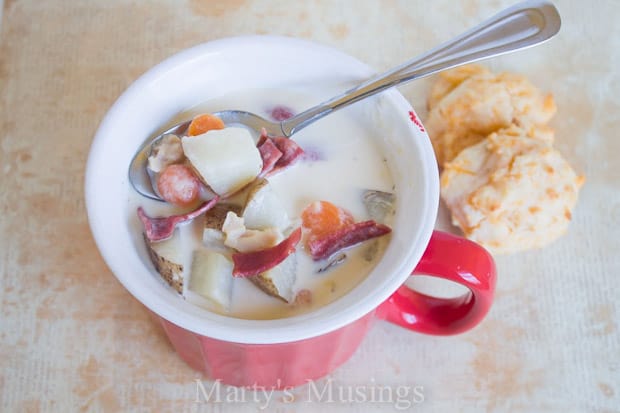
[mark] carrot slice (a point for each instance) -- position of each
(178, 185)
(322, 218)
(204, 123)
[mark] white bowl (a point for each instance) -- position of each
(219, 67)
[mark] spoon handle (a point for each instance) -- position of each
(523, 25)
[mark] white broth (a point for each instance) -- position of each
(343, 159)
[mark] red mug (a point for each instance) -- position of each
(284, 365)
(289, 351)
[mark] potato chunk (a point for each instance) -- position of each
(211, 277)
(279, 281)
(226, 160)
(263, 209)
(167, 257)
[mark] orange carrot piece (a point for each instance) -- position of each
(204, 123)
(322, 218)
(178, 185)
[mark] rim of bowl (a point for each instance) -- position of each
(337, 314)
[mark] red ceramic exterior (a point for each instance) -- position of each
(291, 364)
(455, 259)
(274, 366)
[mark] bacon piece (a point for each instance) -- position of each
(289, 149)
(280, 113)
(247, 264)
(270, 154)
(161, 228)
(344, 237)
(291, 152)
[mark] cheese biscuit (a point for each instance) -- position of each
(468, 103)
(510, 192)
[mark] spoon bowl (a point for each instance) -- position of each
(142, 178)
(518, 27)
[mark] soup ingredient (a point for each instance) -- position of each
(322, 218)
(255, 262)
(166, 151)
(178, 185)
(161, 228)
(167, 257)
(280, 113)
(289, 149)
(331, 229)
(226, 160)
(468, 103)
(270, 154)
(204, 123)
(379, 204)
(240, 238)
(510, 192)
(247, 232)
(211, 277)
(279, 281)
(347, 236)
(212, 235)
(264, 209)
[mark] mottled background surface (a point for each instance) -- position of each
(72, 339)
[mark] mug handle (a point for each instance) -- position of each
(452, 258)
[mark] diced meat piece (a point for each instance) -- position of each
(280, 113)
(345, 237)
(253, 263)
(161, 228)
(291, 151)
(166, 151)
(178, 185)
(270, 154)
(313, 155)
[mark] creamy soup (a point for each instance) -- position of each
(343, 161)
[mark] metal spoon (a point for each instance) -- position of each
(523, 25)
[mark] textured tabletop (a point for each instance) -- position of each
(71, 337)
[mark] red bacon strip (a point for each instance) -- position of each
(289, 150)
(161, 228)
(247, 264)
(280, 113)
(345, 237)
(270, 154)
